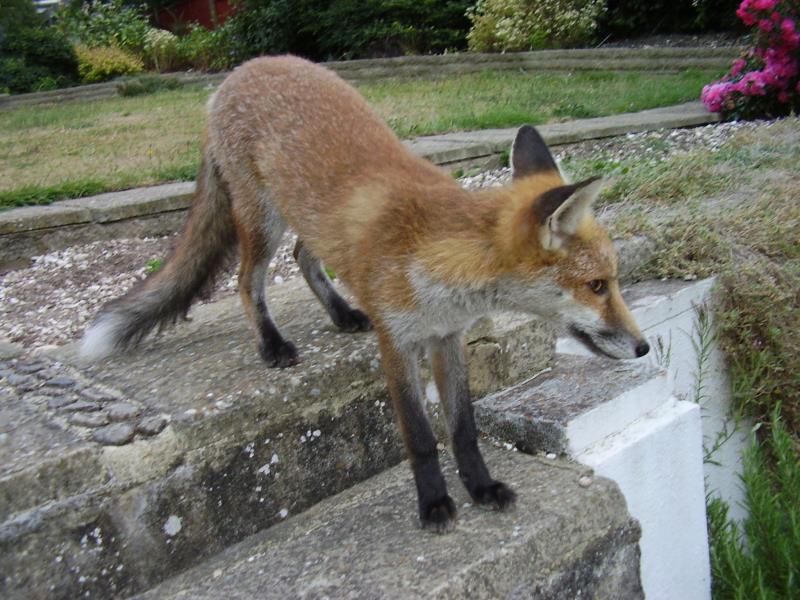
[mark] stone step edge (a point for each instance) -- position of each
(452, 149)
(566, 525)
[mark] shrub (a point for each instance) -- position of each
(516, 25)
(146, 84)
(104, 63)
(206, 50)
(765, 80)
(162, 50)
(325, 29)
(634, 17)
(18, 14)
(34, 59)
(99, 23)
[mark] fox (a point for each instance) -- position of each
(289, 143)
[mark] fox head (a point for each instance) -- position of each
(562, 264)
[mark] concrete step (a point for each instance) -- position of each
(93, 508)
(569, 537)
(638, 423)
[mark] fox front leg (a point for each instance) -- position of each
(449, 367)
(437, 511)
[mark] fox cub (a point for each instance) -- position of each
(289, 144)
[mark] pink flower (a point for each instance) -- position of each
(783, 97)
(765, 25)
(764, 4)
(737, 67)
(747, 18)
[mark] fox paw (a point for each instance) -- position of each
(438, 516)
(353, 320)
(496, 495)
(280, 355)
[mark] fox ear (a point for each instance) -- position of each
(560, 211)
(530, 154)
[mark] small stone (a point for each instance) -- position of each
(585, 481)
(56, 402)
(61, 382)
(151, 425)
(92, 419)
(81, 406)
(114, 435)
(30, 367)
(122, 411)
(96, 395)
(550, 455)
(23, 382)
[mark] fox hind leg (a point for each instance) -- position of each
(257, 248)
(342, 314)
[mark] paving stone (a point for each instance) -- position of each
(97, 395)
(91, 419)
(61, 382)
(9, 350)
(81, 406)
(151, 425)
(122, 411)
(59, 402)
(114, 435)
(23, 382)
(30, 367)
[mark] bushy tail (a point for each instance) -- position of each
(166, 295)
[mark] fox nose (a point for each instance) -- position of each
(642, 348)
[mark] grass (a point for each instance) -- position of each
(735, 214)
(55, 152)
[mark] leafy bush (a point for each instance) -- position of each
(331, 29)
(18, 14)
(161, 50)
(146, 84)
(762, 558)
(34, 59)
(765, 81)
(206, 50)
(515, 25)
(104, 23)
(635, 18)
(102, 64)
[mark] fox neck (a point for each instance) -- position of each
(482, 241)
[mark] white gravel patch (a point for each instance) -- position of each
(53, 300)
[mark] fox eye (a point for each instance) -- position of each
(598, 286)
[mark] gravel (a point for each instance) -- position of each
(52, 301)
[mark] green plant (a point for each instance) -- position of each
(102, 64)
(514, 25)
(206, 50)
(18, 14)
(161, 50)
(153, 265)
(348, 28)
(35, 58)
(146, 84)
(626, 18)
(761, 558)
(102, 23)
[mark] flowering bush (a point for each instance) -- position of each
(517, 25)
(765, 80)
(104, 63)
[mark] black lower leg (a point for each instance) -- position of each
(276, 351)
(342, 314)
(450, 371)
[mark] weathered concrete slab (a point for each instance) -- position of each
(243, 443)
(116, 206)
(577, 402)
(562, 541)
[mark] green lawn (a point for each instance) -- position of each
(56, 152)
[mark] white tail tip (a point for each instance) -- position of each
(100, 340)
